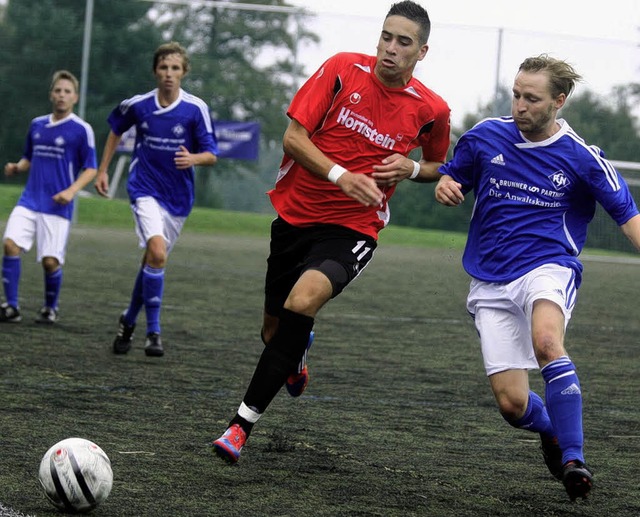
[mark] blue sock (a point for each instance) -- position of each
(152, 288)
(11, 270)
(136, 303)
(535, 418)
(52, 285)
(564, 404)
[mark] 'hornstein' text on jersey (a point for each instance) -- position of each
(357, 122)
(160, 131)
(533, 200)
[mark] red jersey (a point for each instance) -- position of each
(356, 121)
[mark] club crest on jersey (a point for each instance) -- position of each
(355, 98)
(59, 141)
(559, 180)
(178, 130)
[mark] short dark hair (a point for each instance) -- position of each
(562, 76)
(415, 13)
(64, 74)
(172, 47)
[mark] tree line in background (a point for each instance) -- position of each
(244, 66)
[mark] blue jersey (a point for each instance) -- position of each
(533, 200)
(159, 134)
(58, 151)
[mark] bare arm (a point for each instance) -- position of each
(184, 159)
(65, 197)
(12, 168)
(449, 191)
(398, 167)
(631, 230)
(102, 178)
(297, 144)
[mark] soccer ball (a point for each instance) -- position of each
(76, 475)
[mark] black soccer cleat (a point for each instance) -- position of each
(577, 479)
(9, 314)
(153, 345)
(122, 342)
(552, 455)
(47, 316)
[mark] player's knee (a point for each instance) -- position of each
(512, 407)
(548, 347)
(50, 264)
(156, 257)
(310, 293)
(10, 248)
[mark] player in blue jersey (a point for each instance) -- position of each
(174, 133)
(60, 156)
(536, 184)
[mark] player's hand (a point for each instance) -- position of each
(10, 169)
(184, 159)
(102, 184)
(449, 191)
(393, 170)
(64, 197)
(362, 188)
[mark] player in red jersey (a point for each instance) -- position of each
(353, 125)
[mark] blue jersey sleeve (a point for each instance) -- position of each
(205, 136)
(461, 167)
(609, 187)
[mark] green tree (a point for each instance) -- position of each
(243, 65)
(245, 68)
(608, 123)
(41, 36)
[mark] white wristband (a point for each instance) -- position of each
(335, 173)
(416, 170)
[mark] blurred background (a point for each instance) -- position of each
(249, 58)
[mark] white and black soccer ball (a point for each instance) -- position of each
(76, 475)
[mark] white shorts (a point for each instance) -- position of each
(502, 314)
(151, 220)
(51, 232)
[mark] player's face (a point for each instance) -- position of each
(169, 72)
(63, 97)
(398, 51)
(533, 107)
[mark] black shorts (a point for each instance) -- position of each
(340, 253)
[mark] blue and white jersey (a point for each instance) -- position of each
(533, 200)
(58, 151)
(159, 134)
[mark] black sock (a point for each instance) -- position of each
(245, 424)
(279, 359)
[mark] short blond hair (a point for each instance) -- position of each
(64, 74)
(562, 76)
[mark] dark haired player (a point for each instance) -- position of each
(353, 124)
